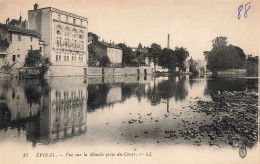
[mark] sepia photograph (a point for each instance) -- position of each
(129, 81)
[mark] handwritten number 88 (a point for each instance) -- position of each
(240, 9)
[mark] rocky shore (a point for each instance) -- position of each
(231, 118)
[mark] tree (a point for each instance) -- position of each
(168, 59)
(222, 56)
(36, 60)
(193, 66)
(94, 37)
(181, 55)
(154, 52)
(128, 54)
(140, 46)
(104, 61)
(219, 42)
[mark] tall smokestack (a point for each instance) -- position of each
(168, 42)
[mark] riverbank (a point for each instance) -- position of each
(229, 119)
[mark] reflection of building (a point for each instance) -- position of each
(65, 37)
(114, 94)
(64, 110)
(47, 111)
(19, 98)
(15, 42)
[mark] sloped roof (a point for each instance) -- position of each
(14, 22)
(140, 58)
(20, 30)
(108, 45)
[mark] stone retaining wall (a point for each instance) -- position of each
(97, 71)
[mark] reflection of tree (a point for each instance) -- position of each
(222, 85)
(168, 89)
(97, 96)
(182, 91)
(5, 116)
(129, 90)
(214, 85)
(192, 80)
(35, 89)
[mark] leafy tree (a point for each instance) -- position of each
(154, 52)
(93, 36)
(168, 59)
(139, 46)
(224, 57)
(127, 55)
(36, 60)
(181, 55)
(104, 61)
(219, 42)
(193, 66)
(4, 43)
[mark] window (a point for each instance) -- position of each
(57, 57)
(74, 21)
(67, 19)
(58, 42)
(74, 33)
(14, 58)
(81, 22)
(19, 38)
(74, 43)
(58, 32)
(66, 32)
(81, 45)
(66, 42)
(59, 16)
(13, 94)
(68, 58)
(31, 39)
(31, 47)
(18, 55)
(65, 58)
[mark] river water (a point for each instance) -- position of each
(138, 111)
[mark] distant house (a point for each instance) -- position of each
(113, 52)
(15, 43)
(18, 23)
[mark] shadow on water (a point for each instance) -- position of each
(56, 109)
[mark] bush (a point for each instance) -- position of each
(36, 60)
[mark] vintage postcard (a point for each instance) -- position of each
(129, 81)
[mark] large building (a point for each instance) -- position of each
(15, 42)
(65, 39)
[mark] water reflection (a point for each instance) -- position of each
(142, 108)
(47, 111)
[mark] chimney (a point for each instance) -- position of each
(168, 42)
(7, 21)
(20, 19)
(35, 6)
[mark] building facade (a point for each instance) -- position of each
(15, 42)
(114, 54)
(65, 39)
(112, 51)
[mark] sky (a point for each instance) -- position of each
(192, 24)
